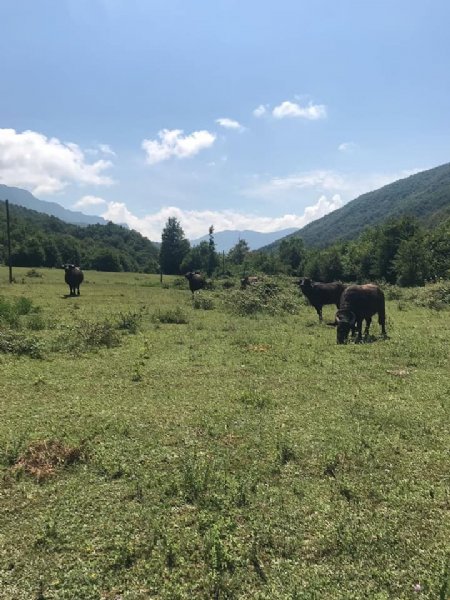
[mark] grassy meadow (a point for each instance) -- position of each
(152, 447)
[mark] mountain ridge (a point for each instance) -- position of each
(424, 195)
(227, 238)
(24, 198)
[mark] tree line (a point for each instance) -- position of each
(400, 251)
(40, 240)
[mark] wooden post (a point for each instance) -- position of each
(8, 235)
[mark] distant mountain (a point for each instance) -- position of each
(24, 198)
(425, 195)
(225, 240)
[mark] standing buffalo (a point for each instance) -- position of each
(320, 294)
(359, 302)
(196, 281)
(73, 277)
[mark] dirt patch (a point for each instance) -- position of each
(43, 458)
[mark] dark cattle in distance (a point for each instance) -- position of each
(196, 281)
(249, 280)
(320, 294)
(359, 303)
(73, 277)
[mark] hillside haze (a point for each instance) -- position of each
(27, 200)
(425, 195)
(228, 238)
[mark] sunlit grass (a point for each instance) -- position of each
(224, 456)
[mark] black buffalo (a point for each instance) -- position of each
(249, 280)
(320, 294)
(73, 277)
(359, 303)
(196, 281)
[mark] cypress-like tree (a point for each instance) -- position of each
(174, 247)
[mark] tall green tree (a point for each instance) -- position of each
(293, 254)
(196, 259)
(213, 259)
(238, 253)
(174, 247)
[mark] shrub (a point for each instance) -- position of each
(203, 303)
(33, 273)
(265, 297)
(88, 335)
(435, 296)
(13, 342)
(129, 321)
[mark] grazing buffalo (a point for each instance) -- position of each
(359, 303)
(248, 280)
(73, 277)
(196, 281)
(320, 294)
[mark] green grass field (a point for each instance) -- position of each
(150, 448)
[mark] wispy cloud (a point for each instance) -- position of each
(347, 147)
(260, 111)
(106, 149)
(89, 201)
(289, 109)
(172, 143)
(229, 124)
(46, 165)
(348, 185)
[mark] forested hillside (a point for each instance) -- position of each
(39, 240)
(425, 196)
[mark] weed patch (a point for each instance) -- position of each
(175, 315)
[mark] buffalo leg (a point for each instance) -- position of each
(319, 312)
(368, 322)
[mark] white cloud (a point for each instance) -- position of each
(196, 223)
(173, 144)
(260, 111)
(46, 165)
(229, 124)
(106, 149)
(348, 185)
(292, 109)
(89, 201)
(347, 147)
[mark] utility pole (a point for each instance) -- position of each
(8, 235)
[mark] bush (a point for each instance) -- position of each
(129, 321)
(203, 303)
(175, 315)
(13, 342)
(88, 335)
(33, 273)
(264, 297)
(11, 310)
(435, 296)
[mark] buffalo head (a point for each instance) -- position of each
(345, 321)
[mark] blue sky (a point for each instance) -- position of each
(240, 114)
